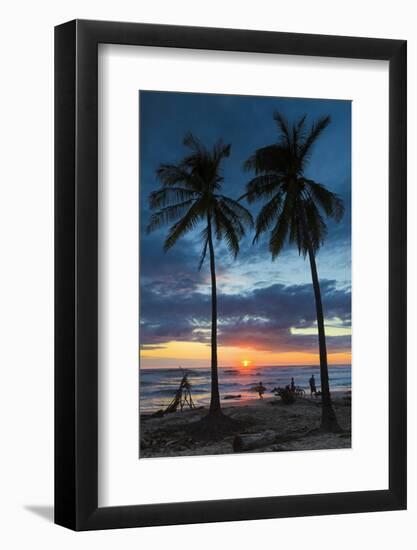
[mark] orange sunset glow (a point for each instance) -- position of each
(196, 354)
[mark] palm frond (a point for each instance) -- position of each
(203, 165)
(283, 126)
(238, 209)
(329, 202)
(193, 143)
(217, 224)
(315, 225)
(220, 151)
(198, 160)
(280, 231)
(170, 175)
(266, 216)
(163, 197)
(273, 159)
(234, 220)
(298, 135)
(262, 187)
(167, 215)
(185, 224)
(227, 229)
(296, 234)
(300, 126)
(316, 130)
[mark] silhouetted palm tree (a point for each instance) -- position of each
(190, 195)
(295, 208)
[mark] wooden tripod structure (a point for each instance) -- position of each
(182, 397)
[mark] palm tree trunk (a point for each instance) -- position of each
(215, 397)
(328, 418)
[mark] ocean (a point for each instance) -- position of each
(157, 386)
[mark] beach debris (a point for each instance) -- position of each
(232, 396)
(289, 393)
(286, 395)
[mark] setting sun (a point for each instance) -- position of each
(246, 362)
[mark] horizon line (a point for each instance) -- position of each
(246, 368)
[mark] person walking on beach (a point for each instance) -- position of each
(312, 383)
(292, 385)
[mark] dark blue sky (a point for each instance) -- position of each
(246, 123)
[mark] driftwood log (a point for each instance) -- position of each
(249, 442)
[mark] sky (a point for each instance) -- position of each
(266, 308)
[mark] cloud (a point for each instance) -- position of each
(261, 318)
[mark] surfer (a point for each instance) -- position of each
(261, 390)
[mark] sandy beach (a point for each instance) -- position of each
(260, 425)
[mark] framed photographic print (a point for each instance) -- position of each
(230, 275)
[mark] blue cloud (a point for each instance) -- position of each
(261, 318)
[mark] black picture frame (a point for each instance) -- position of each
(76, 272)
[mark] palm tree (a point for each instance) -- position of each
(294, 210)
(189, 196)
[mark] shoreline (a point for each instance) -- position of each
(157, 388)
(249, 401)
